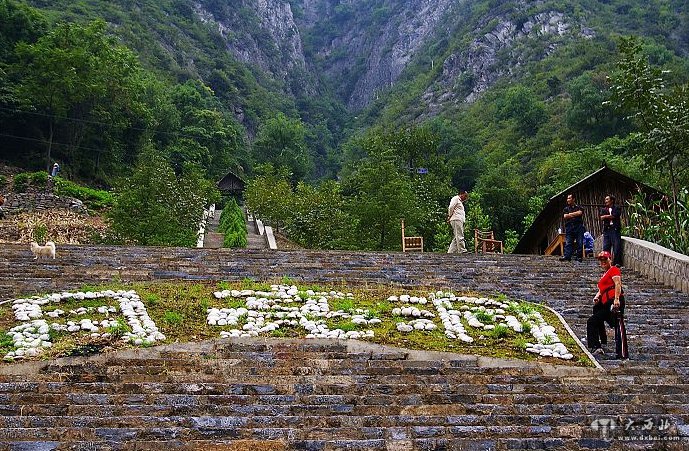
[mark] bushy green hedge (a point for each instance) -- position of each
(21, 182)
(94, 199)
(233, 225)
(24, 179)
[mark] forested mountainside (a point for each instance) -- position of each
(514, 99)
(359, 49)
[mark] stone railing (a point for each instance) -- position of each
(657, 262)
(264, 231)
(208, 213)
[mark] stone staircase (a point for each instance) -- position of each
(212, 239)
(314, 395)
(254, 240)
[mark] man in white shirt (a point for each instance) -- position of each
(456, 218)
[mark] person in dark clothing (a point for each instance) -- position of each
(612, 229)
(608, 307)
(574, 229)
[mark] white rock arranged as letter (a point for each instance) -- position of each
(29, 338)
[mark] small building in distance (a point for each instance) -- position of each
(232, 185)
(589, 193)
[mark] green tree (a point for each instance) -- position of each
(206, 136)
(18, 23)
(78, 78)
(521, 106)
(504, 196)
(589, 111)
(269, 195)
(564, 168)
(380, 194)
(661, 112)
(319, 218)
(282, 142)
(156, 207)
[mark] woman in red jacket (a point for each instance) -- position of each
(608, 308)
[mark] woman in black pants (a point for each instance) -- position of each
(608, 308)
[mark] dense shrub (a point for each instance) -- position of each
(233, 225)
(39, 179)
(157, 207)
(21, 182)
(93, 199)
(654, 221)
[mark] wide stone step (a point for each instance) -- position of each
(327, 396)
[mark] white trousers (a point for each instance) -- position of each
(457, 245)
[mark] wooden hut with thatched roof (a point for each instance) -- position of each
(543, 236)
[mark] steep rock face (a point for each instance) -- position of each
(362, 47)
(369, 57)
(496, 53)
(405, 38)
(261, 33)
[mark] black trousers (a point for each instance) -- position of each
(612, 242)
(574, 241)
(595, 326)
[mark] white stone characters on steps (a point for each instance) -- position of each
(281, 307)
(29, 338)
(287, 306)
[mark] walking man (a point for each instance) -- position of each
(456, 217)
(574, 229)
(612, 229)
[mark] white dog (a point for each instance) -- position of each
(43, 251)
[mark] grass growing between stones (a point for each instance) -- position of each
(179, 310)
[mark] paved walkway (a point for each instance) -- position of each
(254, 240)
(214, 240)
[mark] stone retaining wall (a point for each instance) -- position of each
(31, 201)
(659, 263)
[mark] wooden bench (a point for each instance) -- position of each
(485, 240)
(557, 246)
(411, 243)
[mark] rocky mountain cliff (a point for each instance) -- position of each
(359, 47)
(373, 43)
(261, 33)
(362, 47)
(495, 51)
(360, 50)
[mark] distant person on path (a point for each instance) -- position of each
(612, 229)
(456, 217)
(574, 229)
(55, 170)
(608, 308)
(2, 201)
